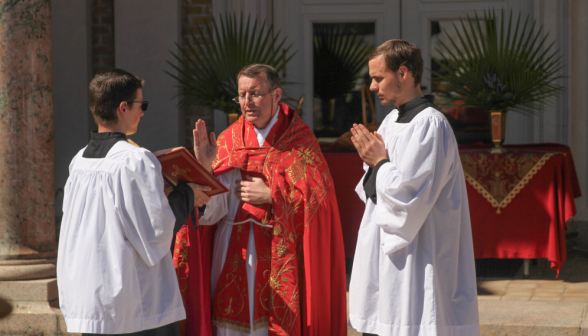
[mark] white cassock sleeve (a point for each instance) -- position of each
(216, 209)
(219, 205)
(359, 188)
(408, 186)
(146, 217)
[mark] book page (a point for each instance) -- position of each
(163, 151)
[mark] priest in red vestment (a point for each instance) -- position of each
(277, 265)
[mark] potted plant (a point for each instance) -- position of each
(207, 67)
(496, 70)
(339, 56)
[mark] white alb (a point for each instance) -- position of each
(413, 270)
(114, 270)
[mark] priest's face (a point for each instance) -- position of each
(133, 114)
(258, 102)
(385, 82)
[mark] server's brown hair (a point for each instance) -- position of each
(110, 88)
(400, 52)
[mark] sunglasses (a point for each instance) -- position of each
(144, 104)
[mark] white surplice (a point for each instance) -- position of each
(413, 270)
(114, 268)
(223, 209)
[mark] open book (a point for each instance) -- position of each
(179, 165)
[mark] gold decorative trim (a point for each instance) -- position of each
(511, 195)
(223, 323)
(262, 322)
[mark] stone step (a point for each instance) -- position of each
(41, 290)
(32, 316)
(35, 308)
(516, 318)
(533, 318)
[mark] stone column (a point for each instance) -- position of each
(27, 192)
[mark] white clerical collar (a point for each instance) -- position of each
(262, 133)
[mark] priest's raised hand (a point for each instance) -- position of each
(371, 147)
(204, 146)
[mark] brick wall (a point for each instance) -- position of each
(195, 13)
(102, 35)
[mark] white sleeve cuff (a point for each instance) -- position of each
(215, 210)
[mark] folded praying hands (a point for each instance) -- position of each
(371, 147)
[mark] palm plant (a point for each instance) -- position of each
(505, 69)
(339, 56)
(207, 68)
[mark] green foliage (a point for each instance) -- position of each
(339, 56)
(506, 69)
(207, 69)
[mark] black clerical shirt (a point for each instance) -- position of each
(406, 113)
(181, 199)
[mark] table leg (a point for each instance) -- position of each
(526, 263)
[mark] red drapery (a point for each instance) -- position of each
(533, 224)
(194, 277)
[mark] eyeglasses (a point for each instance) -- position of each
(252, 97)
(144, 104)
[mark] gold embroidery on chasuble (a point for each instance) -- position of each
(296, 172)
(277, 230)
(298, 178)
(180, 259)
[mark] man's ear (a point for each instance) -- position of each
(277, 95)
(403, 72)
(121, 110)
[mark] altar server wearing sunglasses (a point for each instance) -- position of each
(114, 269)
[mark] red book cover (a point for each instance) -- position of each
(179, 165)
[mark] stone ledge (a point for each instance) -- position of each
(514, 318)
(34, 318)
(31, 271)
(29, 290)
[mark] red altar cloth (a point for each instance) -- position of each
(532, 225)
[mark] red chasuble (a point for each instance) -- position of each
(192, 257)
(300, 276)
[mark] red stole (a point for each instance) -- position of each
(300, 275)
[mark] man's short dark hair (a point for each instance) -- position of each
(110, 88)
(401, 52)
(271, 75)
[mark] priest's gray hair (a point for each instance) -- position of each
(271, 75)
